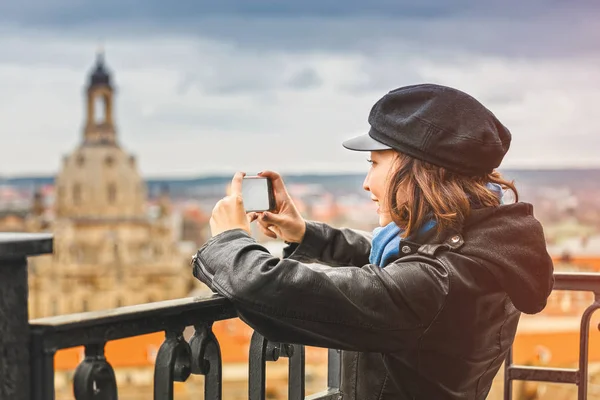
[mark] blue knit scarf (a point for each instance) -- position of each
(386, 239)
(386, 242)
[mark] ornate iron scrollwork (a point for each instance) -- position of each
(206, 360)
(94, 377)
(173, 363)
(261, 351)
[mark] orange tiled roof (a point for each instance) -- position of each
(584, 262)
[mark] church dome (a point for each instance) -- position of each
(100, 182)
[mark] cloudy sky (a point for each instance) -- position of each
(217, 86)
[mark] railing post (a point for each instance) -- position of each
(333, 369)
(15, 368)
(94, 377)
(173, 364)
(206, 360)
(261, 351)
(508, 382)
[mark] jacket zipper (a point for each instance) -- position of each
(201, 269)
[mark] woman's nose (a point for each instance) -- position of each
(366, 183)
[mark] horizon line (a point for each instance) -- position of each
(200, 175)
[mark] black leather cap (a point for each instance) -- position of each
(437, 124)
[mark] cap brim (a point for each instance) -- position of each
(364, 143)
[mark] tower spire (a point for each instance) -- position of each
(100, 55)
(99, 127)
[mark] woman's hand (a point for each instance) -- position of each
(229, 212)
(286, 222)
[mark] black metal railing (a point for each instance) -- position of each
(177, 358)
(27, 348)
(572, 281)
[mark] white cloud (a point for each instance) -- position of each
(190, 105)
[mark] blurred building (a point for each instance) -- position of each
(20, 212)
(194, 225)
(14, 219)
(107, 251)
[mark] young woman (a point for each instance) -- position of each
(427, 306)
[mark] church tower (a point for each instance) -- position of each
(99, 177)
(99, 125)
(108, 251)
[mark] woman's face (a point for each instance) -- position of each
(377, 180)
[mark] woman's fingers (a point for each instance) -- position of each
(279, 189)
(273, 219)
(267, 232)
(268, 225)
(252, 216)
(264, 228)
(275, 178)
(236, 184)
(287, 226)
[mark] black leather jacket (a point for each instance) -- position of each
(434, 324)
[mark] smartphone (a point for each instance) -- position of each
(257, 192)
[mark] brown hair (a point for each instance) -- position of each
(418, 191)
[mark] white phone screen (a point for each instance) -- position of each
(255, 192)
